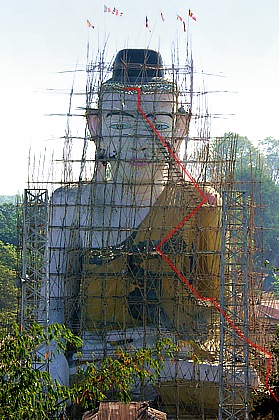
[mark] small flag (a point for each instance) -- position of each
(179, 18)
(89, 24)
(146, 23)
(162, 17)
(192, 15)
(113, 12)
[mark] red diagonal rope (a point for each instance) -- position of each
(180, 275)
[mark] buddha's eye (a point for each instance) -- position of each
(120, 126)
(162, 126)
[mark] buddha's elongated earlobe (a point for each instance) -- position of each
(183, 119)
(93, 121)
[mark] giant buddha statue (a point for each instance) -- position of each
(133, 249)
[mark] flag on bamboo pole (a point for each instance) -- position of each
(178, 17)
(162, 17)
(192, 15)
(147, 24)
(114, 11)
(89, 24)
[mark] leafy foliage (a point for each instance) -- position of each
(270, 147)
(28, 393)
(8, 223)
(255, 173)
(275, 273)
(8, 260)
(247, 155)
(276, 281)
(8, 290)
(264, 405)
(265, 193)
(116, 375)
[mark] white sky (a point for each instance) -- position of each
(236, 41)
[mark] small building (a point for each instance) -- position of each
(131, 411)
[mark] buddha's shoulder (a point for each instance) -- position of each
(81, 192)
(190, 193)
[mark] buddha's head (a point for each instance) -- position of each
(139, 119)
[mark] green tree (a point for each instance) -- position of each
(247, 154)
(275, 274)
(8, 223)
(8, 290)
(264, 405)
(270, 148)
(265, 194)
(116, 375)
(255, 169)
(256, 178)
(276, 281)
(26, 392)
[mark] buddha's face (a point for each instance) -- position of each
(136, 145)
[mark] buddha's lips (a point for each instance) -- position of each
(138, 162)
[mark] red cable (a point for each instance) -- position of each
(180, 275)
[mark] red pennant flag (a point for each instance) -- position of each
(179, 18)
(192, 15)
(113, 12)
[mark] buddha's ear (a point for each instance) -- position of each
(182, 123)
(93, 121)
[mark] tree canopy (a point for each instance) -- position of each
(270, 148)
(8, 223)
(264, 406)
(256, 173)
(27, 392)
(8, 289)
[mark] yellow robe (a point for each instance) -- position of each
(132, 285)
